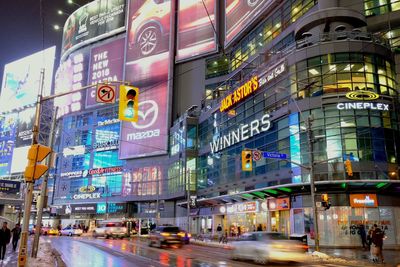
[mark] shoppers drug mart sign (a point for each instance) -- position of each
(363, 200)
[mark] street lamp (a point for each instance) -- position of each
(60, 12)
(56, 27)
(73, 3)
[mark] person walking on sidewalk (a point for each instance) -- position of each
(16, 233)
(219, 233)
(377, 240)
(363, 236)
(5, 236)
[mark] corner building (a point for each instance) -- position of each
(332, 63)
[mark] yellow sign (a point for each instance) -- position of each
(362, 95)
(239, 94)
(87, 189)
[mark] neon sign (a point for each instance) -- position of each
(240, 94)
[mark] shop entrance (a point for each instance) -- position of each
(238, 224)
(280, 221)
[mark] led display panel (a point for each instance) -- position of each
(241, 13)
(148, 65)
(26, 119)
(21, 80)
(8, 126)
(196, 28)
(98, 19)
(106, 64)
(71, 75)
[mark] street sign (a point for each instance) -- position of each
(274, 155)
(257, 155)
(105, 94)
(318, 204)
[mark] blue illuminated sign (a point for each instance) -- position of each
(101, 208)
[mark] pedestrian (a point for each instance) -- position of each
(239, 231)
(377, 240)
(5, 236)
(369, 237)
(259, 228)
(363, 236)
(16, 234)
(219, 233)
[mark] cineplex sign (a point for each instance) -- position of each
(362, 98)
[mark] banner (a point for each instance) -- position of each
(240, 14)
(106, 64)
(11, 187)
(196, 34)
(98, 19)
(8, 128)
(21, 80)
(148, 64)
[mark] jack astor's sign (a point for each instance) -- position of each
(239, 94)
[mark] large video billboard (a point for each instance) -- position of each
(98, 19)
(8, 126)
(241, 13)
(106, 64)
(26, 119)
(71, 75)
(196, 35)
(21, 80)
(148, 66)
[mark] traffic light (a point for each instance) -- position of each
(36, 153)
(325, 201)
(349, 168)
(128, 103)
(247, 160)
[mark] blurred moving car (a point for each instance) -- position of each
(165, 235)
(108, 229)
(263, 247)
(52, 231)
(70, 231)
(185, 236)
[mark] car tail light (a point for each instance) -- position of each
(189, 235)
(165, 234)
(181, 234)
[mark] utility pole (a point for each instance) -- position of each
(312, 182)
(43, 191)
(23, 248)
(158, 199)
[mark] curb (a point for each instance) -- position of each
(58, 258)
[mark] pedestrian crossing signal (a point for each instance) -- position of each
(247, 160)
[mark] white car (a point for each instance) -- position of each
(70, 231)
(109, 229)
(263, 247)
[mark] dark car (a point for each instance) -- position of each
(165, 235)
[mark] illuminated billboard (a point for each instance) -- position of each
(19, 159)
(21, 80)
(8, 125)
(148, 65)
(241, 13)
(96, 20)
(71, 75)
(195, 36)
(106, 64)
(26, 119)
(143, 181)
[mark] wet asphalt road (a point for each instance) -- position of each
(87, 252)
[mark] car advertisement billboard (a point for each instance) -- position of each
(71, 75)
(240, 14)
(148, 66)
(196, 35)
(26, 119)
(21, 80)
(8, 126)
(106, 64)
(98, 19)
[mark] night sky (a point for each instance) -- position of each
(21, 33)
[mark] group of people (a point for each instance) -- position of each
(373, 241)
(5, 238)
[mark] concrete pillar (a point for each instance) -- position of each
(322, 4)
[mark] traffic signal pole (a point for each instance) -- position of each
(43, 191)
(23, 248)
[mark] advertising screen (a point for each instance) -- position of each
(26, 119)
(240, 14)
(10, 187)
(196, 34)
(98, 19)
(143, 181)
(148, 64)
(106, 64)
(21, 80)
(71, 75)
(19, 160)
(8, 126)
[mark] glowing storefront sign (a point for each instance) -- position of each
(363, 105)
(363, 200)
(362, 95)
(108, 170)
(87, 196)
(251, 206)
(240, 94)
(244, 132)
(87, 189)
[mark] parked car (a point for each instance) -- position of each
(263, 247)
(165, 235)
(108, 229)
(70, 231)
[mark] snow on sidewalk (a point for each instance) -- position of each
(46, 256)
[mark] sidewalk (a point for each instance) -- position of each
(392, 257)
